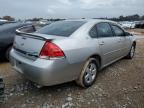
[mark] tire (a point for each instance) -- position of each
(131, 53)
(88, 75)
(7, 54)
(2, 86)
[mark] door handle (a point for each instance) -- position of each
(101, 43)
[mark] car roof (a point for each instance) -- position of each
(91, 20)
(87, 26)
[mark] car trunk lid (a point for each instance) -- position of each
(31, 44)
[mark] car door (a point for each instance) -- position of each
(108, 43)
(123, 40)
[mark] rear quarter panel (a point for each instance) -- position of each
(78, 50)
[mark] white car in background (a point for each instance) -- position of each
(44, 22)
(128, 24)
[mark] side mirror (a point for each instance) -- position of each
(128, 34)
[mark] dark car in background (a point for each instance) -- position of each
(139, 24)
(2, 86)
(7, 33)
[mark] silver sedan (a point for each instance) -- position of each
(70, 50)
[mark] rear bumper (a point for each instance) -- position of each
(45, 72)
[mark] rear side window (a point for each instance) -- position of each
(61, 28)
(93, 32)
(117, 30)
(104, 30)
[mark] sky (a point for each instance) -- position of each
(70, 8)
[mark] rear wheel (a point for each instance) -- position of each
(1, 90)
(88, 74)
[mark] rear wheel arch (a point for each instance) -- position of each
(97, 57)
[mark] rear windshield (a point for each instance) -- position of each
(61, 28)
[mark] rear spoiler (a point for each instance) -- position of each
(22, 32)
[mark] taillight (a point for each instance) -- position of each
(51, 50)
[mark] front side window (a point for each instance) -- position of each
(61, 28)
(118, 31)
(104, 30)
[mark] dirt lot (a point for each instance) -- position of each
(137, 30)
(120, 85)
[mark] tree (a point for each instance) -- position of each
(121, 18)
(9, 18)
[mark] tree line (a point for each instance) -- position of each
(135, 17)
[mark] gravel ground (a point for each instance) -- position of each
(120, 85)
(137, 30)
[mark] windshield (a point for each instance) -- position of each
(61, 28)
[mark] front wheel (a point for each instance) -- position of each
(131, 53)
(88, 74)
